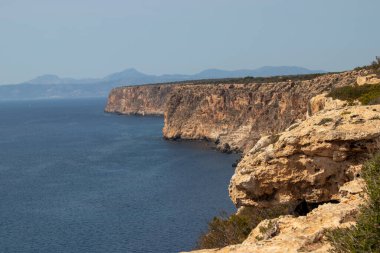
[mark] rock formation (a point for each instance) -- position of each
(316, 162)
(288, 234)
(368, 79)
(323, 102)
(310, 160)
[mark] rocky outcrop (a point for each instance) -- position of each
(309, 161)
(139, 100)
(288, 234)
(323, 102)
(368, 79)
(315, 165)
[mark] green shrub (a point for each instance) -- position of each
(365, 236)
(374, 66)
(366, 94)
(224, 230)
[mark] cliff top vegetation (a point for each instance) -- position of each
(243, 80)
(365, 236)
(367, 94)
(374, 66)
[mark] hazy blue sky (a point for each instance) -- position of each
(92, 38)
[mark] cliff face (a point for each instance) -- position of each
(140, 100)
(233, 115)
(237, 115)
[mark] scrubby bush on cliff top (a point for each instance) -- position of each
(365, 236)
(366, 94)
(374, 66)
(224, 230)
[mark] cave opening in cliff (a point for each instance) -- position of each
(304, 207)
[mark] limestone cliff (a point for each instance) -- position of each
(139, 100)
(234, 115)
(237, 115)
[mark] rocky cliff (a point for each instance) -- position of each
(301, 149)
(310, 160)
(139, 100)
(314, 165)
(234, 115)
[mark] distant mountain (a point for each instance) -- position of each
(260, 72)
(54, 79)
(128, 75)
(52, 86)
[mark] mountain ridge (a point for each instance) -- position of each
(131, 73)
(53, 86)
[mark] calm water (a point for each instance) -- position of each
(74, 179)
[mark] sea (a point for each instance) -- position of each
(76, 179)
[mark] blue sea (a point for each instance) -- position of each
(75, 179)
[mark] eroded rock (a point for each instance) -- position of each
(369, 79)
(288, 234)
(323, 102)
(310, 161)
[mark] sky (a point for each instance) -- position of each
(93, 38)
